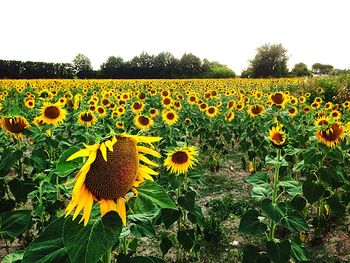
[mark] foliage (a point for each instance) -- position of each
(269, 61)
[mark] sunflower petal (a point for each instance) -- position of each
(80, 153)
(103, 207)
(147, 161)
(121, 210)
(146, 150)
(109, 145)
(103, 150)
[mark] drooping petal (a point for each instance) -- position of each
(146, 150)
(103, 150)
(80, 153)
(147, 161)
(121, 210)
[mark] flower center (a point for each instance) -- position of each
(114, 178)
(52, 112)
(179, 157)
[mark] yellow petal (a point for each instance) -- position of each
(103, 150)
(146, 150)
(81, 153)
(87, 208)
(148, 161)
(89, 161)
(82, 200)
(103, 207)
(111, 205)
(145, 169)
(109, 145)
(121, 210)
(92, 147)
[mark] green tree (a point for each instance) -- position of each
(82, 66)
(300, 69)
(190, 65)
(321, 69)
(112, 68)
(270, 61)
(165, 64)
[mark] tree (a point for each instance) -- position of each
(82, 66)
(112, 68)
(270, 61)
(165, 64)
(300, 69)
(190, 65)
(321, 69)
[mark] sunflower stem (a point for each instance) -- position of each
(107, 256)
(274, 194)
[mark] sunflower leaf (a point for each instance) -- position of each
(87, 244)
(152, 197)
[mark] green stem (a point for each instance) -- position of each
(274, 194)
(107, 256)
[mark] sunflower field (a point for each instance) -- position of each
(234, 170)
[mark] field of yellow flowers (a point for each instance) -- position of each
(89, 169)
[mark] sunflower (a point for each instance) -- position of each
(187, 121)
(212, 111)
(292, 112)
(167, 102)
(120, 125)
(230, 116)
(277, 136)
(331, 135)
(101, 111)
(180, 159)
(137, 107)
(87, 118)
(192, 99)
(170, 117)
(142, 122)
(153, 112)
(256, 110)
(335, 115)
(278, 99)
(29, 103)
(15, 126)
(111, 171)
(321, 121)
(53, 114)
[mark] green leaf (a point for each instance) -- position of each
(261, 191)
(143, 229)
(152, 197)
(258, 178)
(250, 223)
(64, 168)
(252, 254)
(275, 161)
(279, 252)
(299, 252)
(196, 216)
(87, 244)
(14, 223)
(48, 247)
(186, 238)
(298, 202)
(312, 156)
(13, 257)
(9, 158)
(150, 259)
(284, 214)
(169, 216)
(336, 206)
(290, 186)
(336, 154)
(165, 245)
(187, 200)
(20, 189)
(312, 191)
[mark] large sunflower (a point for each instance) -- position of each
(87, 118)
(181, 159)
(53, 114)
(331, 135)
(15, 126)
(277, 136)
(111, 171)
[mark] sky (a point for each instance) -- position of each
(227, 31)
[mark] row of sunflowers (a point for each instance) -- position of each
(126, 156)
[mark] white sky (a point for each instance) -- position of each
(227, 31)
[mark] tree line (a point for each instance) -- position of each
(163, 65)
